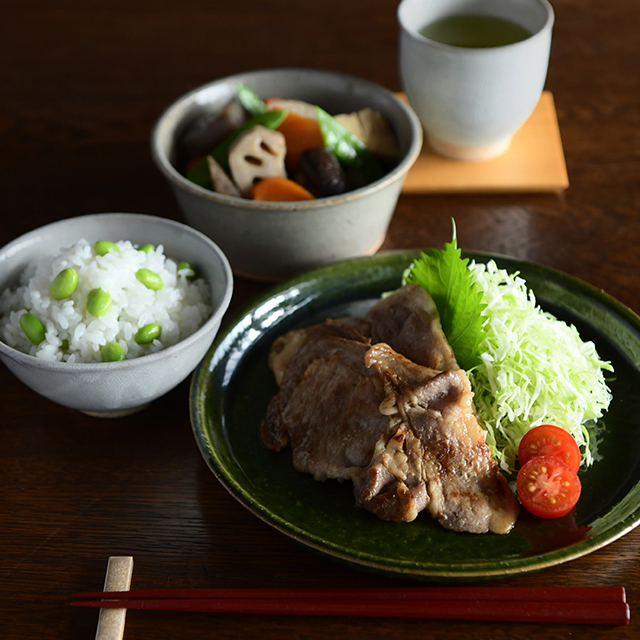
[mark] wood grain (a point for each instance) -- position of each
(82, 85)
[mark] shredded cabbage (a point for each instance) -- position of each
(535, 369)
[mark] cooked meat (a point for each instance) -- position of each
(406, 434)
(409, 323)
(287, 345)
(439, 443)
(291, 357)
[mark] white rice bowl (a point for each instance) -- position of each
(73, 335)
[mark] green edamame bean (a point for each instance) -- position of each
(102, 247)
(146, 248)
(32, 327)
(65, 345)
(98, 302)
(186, 265)
(112, 352)
(148, 333)
(149, 279)
(64, 284)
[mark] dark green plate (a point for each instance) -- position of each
(233, 385)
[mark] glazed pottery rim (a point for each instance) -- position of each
(178, 180)
(469, 570)
(93, 367)
(411, 31)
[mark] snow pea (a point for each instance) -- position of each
(250, 100)
(348, 148)
(200, 172)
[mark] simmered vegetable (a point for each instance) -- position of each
(279, 189)
(220, 181)
(259, 152)
(351, 151)
(251, 101)
(200, 173)
(207, 132)
(300, 134)
(322, 173)
(317, 151)
(300, 108)
(372, 129)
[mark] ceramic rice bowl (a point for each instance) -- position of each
(116, 388)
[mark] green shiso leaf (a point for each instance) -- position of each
(446, 277)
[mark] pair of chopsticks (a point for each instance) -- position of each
(584, 605)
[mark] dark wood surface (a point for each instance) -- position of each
(81, 84)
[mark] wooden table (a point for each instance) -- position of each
(82, 84)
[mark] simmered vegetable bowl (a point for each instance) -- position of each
(286, 150)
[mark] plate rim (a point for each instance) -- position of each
(366, 560)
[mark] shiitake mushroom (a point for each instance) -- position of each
(209, 129)
(321, 173)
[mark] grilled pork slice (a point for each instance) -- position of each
(408, 321)
(405, 434)
(295, 359)
(439, 444)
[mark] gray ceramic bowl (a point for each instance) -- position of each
(117, 388)
(273, 240)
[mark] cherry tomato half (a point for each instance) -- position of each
(547, 487)
(549, 440)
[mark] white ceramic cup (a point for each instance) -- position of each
(472, 101)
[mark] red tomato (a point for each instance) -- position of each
(547, 487)
(549, 440)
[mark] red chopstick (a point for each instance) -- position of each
(507, 594)
(585, 605)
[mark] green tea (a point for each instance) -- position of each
(475, 31)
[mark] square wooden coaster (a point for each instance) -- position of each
(533, 163)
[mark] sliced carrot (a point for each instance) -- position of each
(279, 189)
(300, 133)
(300, 128)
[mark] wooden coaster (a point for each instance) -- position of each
(533, 163)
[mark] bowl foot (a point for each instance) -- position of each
(115, 414)
(469, 153)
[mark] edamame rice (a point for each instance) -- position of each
(92, 296)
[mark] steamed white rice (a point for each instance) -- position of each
(180, 307)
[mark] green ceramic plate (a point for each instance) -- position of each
(233, 385)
